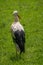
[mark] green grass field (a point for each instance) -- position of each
(31, 12)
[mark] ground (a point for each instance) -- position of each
(31, 12)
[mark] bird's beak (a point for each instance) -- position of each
(19, 17)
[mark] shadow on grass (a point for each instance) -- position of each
(15, 58)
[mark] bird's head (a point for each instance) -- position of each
(15, 13)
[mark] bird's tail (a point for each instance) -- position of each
(22, 47)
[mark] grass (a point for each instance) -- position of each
(31, 12)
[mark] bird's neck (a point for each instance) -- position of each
(16, 19)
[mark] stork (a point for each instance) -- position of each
(18, 33)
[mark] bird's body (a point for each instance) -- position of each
(18, 36)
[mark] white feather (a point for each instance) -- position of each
(16, 26)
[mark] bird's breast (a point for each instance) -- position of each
(17, 27)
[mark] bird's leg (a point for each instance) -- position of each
(16, 52)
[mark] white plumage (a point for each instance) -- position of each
(17, 26)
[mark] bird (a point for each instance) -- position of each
(18, 33)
